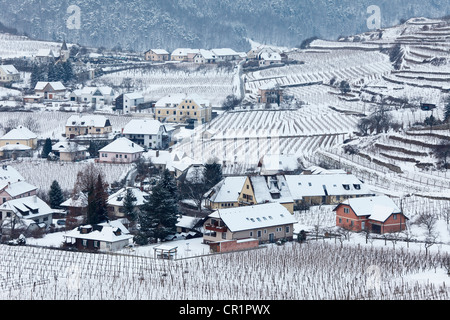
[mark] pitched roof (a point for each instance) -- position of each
(9, 69)
(224, 52)
(17, 188)
(106, 231)
(28, 207)
(176, 99)
(116, 199)
(378, 208)
(254, 217)
(20, 133)
(56, 85)
(9, 175)
(228, 189)
(325, 185)
(158, 51)
(98, 121)
(67, 146)
(143, 126)
(122, 145)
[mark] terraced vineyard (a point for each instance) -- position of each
(243, 137)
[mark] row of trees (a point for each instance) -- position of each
(52, 72)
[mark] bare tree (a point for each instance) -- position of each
(428, 221)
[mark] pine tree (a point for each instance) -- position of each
(97, 210)
(55, 195)
(212, 174)
(47, 148)
(129, 204)
(160, 214)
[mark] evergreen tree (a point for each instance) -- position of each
(47, 148)
(129, 204)
(160, 214)
(212, 174)
(97, 211)
(68, 71)
(55, 195)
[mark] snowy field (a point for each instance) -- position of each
(64, 172)
(320, 269)
(209, 81)
(12, 46)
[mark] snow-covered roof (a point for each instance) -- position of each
(320, 170)
(176, 99)
(97, 121)
(106, 232)
(270, 189)
(133, 95)
(17, 188)
(9, 175)
(143, 126)
(29, 207)
(254, 217)
(378, 208)
(187, 222)
(15, 147)
(207, 54)
(325, 185)
(274, 163)
(78, 201)
(116, 199)
(56, 85)
(224, 52)
(270, 56)
(122, 145)
(159, 51)
(184, 51)
(228, 189)
(46, 53)
(20, 133)
(67, 146)
(9, 69)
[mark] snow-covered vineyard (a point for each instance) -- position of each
(243, 137)
(291, 272)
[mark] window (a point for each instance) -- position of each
(394, 217)
(224, 235)
(346, 210)
(251, 233)
(287, 229)
(357, 186)
(84, 243)
(259, 233)
(346, 186)
(96, 244)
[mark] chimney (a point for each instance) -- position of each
(35, 198)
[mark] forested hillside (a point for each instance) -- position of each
(141, 24)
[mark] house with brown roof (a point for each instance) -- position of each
(157, 55)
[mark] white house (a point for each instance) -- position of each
(131, 101)
(225, 54)
(22, 213)
(104, 237)
(147, 133)
(46, 56)
(116, 200)
(120, 150)
(205, 56)
(9, 73)
(50, 90)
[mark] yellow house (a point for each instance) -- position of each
(80, 125)
(157, 55)
(249, 191)
(182, 108)
(20, 137)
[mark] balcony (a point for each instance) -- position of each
(215, 228)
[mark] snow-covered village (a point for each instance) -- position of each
(314, 171)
